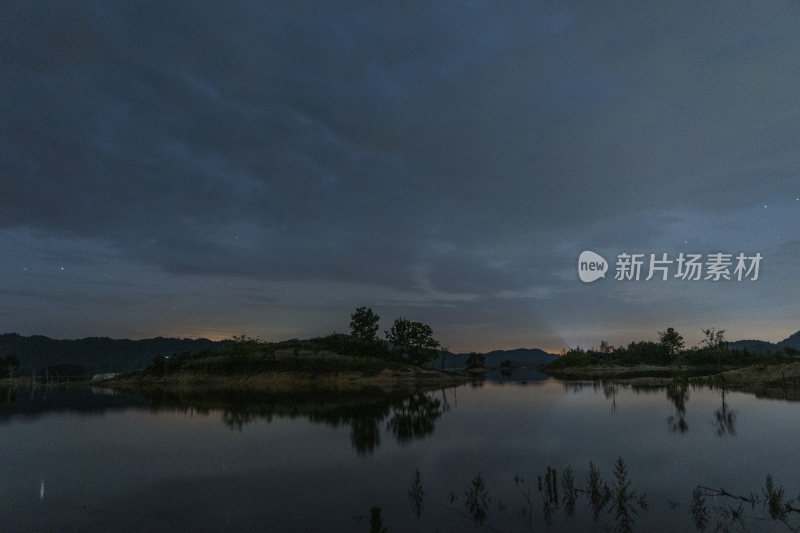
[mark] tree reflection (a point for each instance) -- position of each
(414, 416)
(608, 387)
(610, 391)
(678, 394)
(365, 434)
(613, 504)
(771, 500)
(408, 415)
(375, 521)
(7, 397)
(619, 499)
(416, 493)
(477, 500)
(725, 418)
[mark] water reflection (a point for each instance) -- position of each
(375, 521)
(413, 417)
(7, 397)
(408, 416)
(466, 466)
(736, 510)
(416, 494)
(611, 505)
(609, 388)
(725, 418)
(477, 500)
(678, 395)
(619, 499)
(610, 391)
(32, 402)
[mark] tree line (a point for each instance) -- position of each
(670, 349)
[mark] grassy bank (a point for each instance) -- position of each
(764, 380)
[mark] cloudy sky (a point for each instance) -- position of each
(208, 169)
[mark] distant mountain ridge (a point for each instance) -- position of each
(520, 357)
(96, 354)
(792, 342)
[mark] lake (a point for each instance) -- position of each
(491, 456)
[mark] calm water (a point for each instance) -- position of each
(84, 460)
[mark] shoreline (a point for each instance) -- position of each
(775, 380)
(409, 379)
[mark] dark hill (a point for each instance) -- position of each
(787, 345)
(792, 341)
(96, 354)
(530, 357)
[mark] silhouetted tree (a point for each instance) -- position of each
(606, 349)
(715, 342)
(475, 360)
(714, 339)
(644, 352)
(672, 341)
(414, 340)
(364, 324)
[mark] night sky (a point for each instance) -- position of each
(206, 170)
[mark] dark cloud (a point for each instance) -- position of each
(470, 150)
